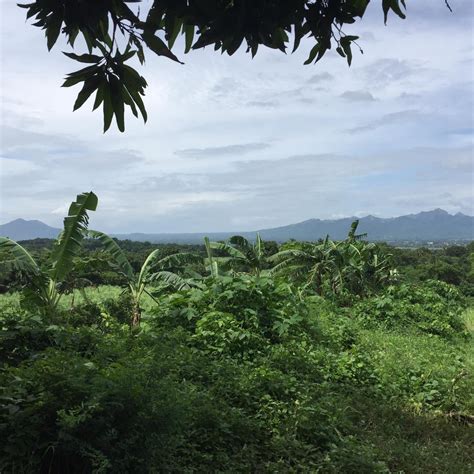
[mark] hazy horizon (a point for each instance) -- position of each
(239, 144)
(255, 229)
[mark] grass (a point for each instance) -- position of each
(422, 422)
(469, 319)
(95, 294)
(412, 442)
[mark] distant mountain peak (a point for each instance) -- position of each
(434, 225)
(439, 211)
(22, 229)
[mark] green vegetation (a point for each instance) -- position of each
(244, 357)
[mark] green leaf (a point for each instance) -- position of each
(84, 58)
(360, 6)
(141, 55)
(129, 101)
(126, 56)
(90, 85)
(138, 100)
(158, 46)
(20, 258)
(312, 55)
(99, 97)
(229, 249)
(70, 239)
(393, 5)
(172, 30)
(85, 72)
(53, 30)
(72, 81)
(108, 107)
(346, 46)
(117, 102)
(189, 36)
(132, 78)
(113, 249)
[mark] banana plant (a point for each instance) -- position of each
(352, 236)
(243, 254)
(155, 269)
(310, 262)
(351, 264)
(211, 261)
(45, 282)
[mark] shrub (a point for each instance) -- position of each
(243, 307)
(64, 412)
(433, 307)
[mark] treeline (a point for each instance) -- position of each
(453, 264)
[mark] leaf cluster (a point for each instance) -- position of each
(225, 25)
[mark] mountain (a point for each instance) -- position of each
(20, 229)
(433, 225)
(436, 225)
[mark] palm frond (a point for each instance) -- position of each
(286, 266)
(70, 240)
(240, 242)
(213, 267)
(112, 248)
(178, 260)
(289, 253)
(229, 249)
(171, 279)
(15, 257)
(147, 264)
(351, 236)
(259, 247)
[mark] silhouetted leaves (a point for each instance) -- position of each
(225, 25)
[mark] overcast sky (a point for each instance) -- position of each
(241, 144)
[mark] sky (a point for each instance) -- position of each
(239, 144)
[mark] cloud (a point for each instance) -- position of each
(358, 96)
(11, 167)
(388, 119)
(227, 150)
(236, 143)
(264, 104)
(15, 138)
(321, 77)
(387, 70)
(225, 85)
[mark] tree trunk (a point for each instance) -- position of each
(136, 316)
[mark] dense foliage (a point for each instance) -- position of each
(331, 362)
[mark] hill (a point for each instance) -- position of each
(21, 229)
(435, 225)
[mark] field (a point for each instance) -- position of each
(236, 356)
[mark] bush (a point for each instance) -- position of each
(433, 307)
(66, 413)
(242, 307)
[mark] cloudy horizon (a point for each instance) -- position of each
(235, 144)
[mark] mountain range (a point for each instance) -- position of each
(435, 225)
